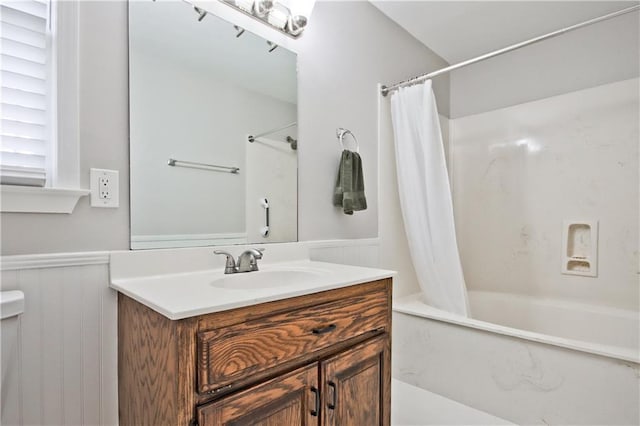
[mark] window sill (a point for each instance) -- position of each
(25, 199)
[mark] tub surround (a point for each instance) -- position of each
(518, 173)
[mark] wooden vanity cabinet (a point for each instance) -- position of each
(319, 359)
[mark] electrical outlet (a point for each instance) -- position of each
(104, 188)
(104, 185)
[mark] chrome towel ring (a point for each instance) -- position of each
(341, 133)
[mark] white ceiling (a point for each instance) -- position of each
(459, 30)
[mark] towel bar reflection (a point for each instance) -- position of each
(341, 132)
(203, 166)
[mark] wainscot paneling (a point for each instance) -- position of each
(67, 363)
(361, 252)
(67, 344)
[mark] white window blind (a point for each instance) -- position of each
(25, 81)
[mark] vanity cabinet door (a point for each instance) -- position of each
(291, 399)
(355, 388)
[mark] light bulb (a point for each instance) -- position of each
(296, 24)
(262, 7)
(279, 16)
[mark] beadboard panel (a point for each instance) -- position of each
(364, 252)
(67, 365)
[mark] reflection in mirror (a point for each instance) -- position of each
(213, 131)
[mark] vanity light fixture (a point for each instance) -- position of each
(287, 16)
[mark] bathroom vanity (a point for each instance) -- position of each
(322, 357)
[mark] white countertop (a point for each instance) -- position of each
(186, 294)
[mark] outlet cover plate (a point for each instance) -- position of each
(104, 188)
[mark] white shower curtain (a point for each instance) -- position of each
(425, 198)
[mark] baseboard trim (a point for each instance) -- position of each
(53, 260)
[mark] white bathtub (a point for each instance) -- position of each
(528, 360)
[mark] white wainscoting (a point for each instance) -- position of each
(69, 337)
(362, 252)
(68, 341)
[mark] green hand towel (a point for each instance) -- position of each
(349, 190)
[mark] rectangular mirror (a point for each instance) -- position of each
(213, 131)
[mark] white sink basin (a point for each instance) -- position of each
(271, 278)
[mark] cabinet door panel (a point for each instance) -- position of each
(285, 400)
(354, 386)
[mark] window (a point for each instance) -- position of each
(25, 134)
(39, 148)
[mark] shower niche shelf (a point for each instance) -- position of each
(580, 248)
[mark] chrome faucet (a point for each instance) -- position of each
(247, 261)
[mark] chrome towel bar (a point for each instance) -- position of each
(203, 166)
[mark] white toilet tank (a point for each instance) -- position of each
(11, 308)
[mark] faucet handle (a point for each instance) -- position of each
(230, 265)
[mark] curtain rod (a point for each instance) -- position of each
(386, 89)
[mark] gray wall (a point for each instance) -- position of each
(104, 133)
(602, 53)
(347, 50)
